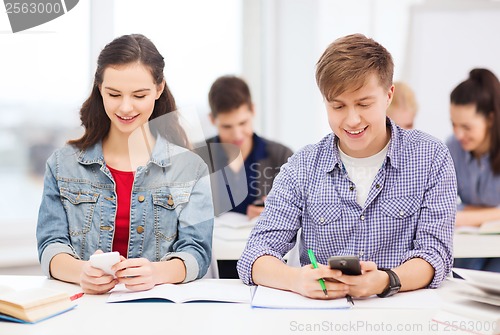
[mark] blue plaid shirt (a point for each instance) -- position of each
(409, 213)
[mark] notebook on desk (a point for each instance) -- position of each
(265, 297)
(487, 228)
(202, 290)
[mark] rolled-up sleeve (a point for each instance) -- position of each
(434, 235)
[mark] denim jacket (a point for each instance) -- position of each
(171, 214)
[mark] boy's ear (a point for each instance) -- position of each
(390, 95)
(212, 118)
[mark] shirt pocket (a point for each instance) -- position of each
(80, 207)
(400, 208)
(323, 224)
(324, 213)
(399, 219)
(168, 204)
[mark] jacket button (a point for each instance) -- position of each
(141, 198)
(140, 229)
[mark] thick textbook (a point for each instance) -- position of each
(33, 305)
(208, 290)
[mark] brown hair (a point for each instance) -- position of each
(228, 93)
(347, 63)
(124, 50)
(482, 89)
(403, 97)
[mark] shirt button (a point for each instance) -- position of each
(141, 198)
(351, 188)
(361, 253)
(377, 186)
(401, 213)
(362, 217)
(322, 220)
(140, 229)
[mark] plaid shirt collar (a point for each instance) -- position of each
(332, 158)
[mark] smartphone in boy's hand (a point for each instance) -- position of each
(349, 265)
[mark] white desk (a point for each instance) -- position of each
(473, 245)
(94, 316)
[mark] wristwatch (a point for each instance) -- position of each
(394, 284)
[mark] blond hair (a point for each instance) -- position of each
(349, 61)
(403, 98)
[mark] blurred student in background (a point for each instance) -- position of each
(403, 108)
(475, 148)
(232, 113)
(243, 164)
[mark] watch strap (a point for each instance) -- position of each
(394, 284)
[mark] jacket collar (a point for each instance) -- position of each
(161, 155)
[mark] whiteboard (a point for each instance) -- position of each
(446, 40)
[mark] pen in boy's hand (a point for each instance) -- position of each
(314, 263)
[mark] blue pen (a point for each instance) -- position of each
(314, 263)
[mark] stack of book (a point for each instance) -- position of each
(474, 303)
(32, 305)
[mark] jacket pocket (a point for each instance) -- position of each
(168, 204)
(80, 206)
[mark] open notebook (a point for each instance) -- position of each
(208, 290)
(266, 297)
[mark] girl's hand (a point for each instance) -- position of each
(138, 274)
(95, 281)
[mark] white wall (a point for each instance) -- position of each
(448, 39)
